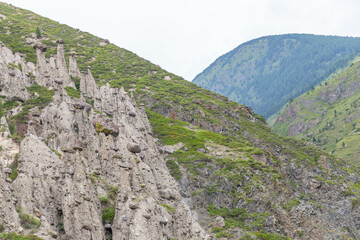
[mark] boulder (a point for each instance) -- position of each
(58, 81)
(82, 105)
(132, 114)
(8, 170)
(107, 225)
(37, 212)
(106, 125)
(78, 148)
(133, 147)
(60, 41)
(202, 150)
(133, 206)
(87, 226)
(40, 46)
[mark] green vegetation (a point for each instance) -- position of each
(107, 202)
(38, 32)
(10, 104)
(40, 98)
(270, 236)
(267, 72)
(108, 214)
(7, 106)
(236, 218)
(355, 203)
(292, 203)
(72, 92)
(14, 236)
(331, 120)
(104, 200)
(28, 221)
(44, 97)
(56, 152)
(233, 218)
(174, 169)
(168, 208)
(76, 81)
(14, 167)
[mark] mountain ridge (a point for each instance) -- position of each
(242, 73)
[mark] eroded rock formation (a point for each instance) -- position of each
(85, 174)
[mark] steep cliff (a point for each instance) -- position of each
(83, 171)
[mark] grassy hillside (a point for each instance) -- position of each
(328, 115)
(233, 165)
(266, 73)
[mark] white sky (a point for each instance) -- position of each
(186, 36)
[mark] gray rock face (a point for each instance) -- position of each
(8, 146)
(84, 156)
(73, 68)
(87, 83)
(54, 71)
(14, 77)
(61, 65)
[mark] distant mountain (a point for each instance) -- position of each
(267, 72)
(328, 116)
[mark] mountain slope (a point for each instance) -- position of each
(267, 72)
(89, 164)
(327, 115)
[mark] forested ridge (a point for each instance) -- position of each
(267, 72)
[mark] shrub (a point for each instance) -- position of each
(355, 203)
(292, 203)
(108, 214)
(72, 92)
(14, 167)
(28, 221)
(14, 236)
(38, 32)
(104, 200)
(168, 208)
(233, 218)
(174, 169)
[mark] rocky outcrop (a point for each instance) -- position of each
(73, 68)
(8, 147)
(72, 156)
(48, 72)
(63, 72)
(88, 85)
(15, 74)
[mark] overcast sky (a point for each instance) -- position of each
(186, 36)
